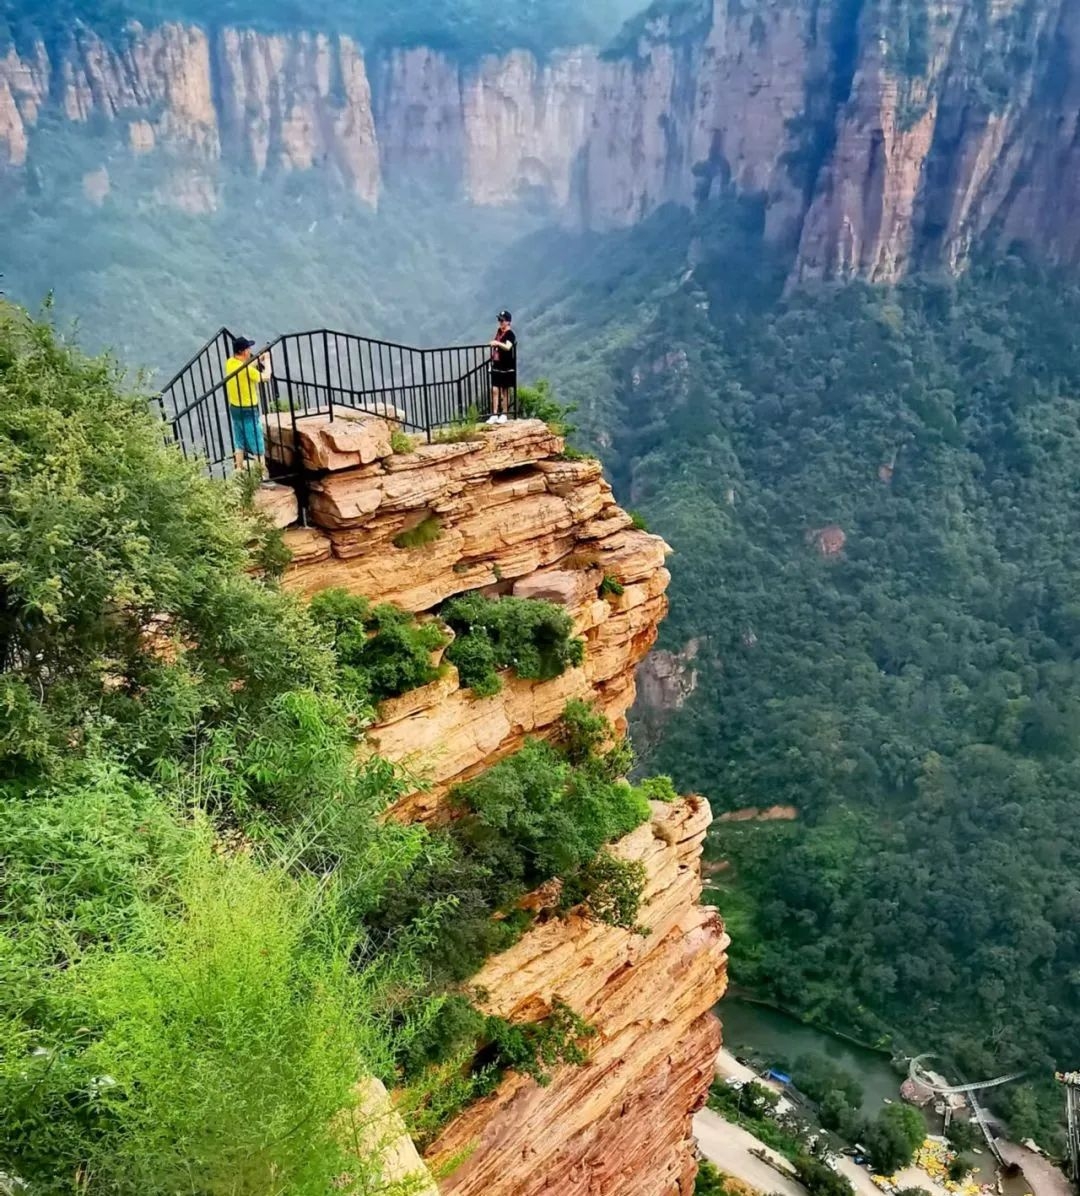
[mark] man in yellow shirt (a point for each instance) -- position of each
(242, 378)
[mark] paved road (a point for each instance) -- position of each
(729, 1146)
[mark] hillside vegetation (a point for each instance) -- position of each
(915, 695)
(209, 935)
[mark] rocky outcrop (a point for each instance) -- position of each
(513, 517)
(877, 136)
(261, 103)
(516, 516)
(619, 1125)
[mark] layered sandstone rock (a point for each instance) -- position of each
(619, 1125)
(517, 517)
(513, 516)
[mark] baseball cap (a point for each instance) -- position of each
(241, 343)
(505, 315)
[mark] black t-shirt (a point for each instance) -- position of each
(504, 361)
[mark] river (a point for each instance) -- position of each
(777, 1039)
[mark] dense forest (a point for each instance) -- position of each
(872, 496)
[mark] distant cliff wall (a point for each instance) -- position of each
(879, 134)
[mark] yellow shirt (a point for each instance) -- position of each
(243, 389)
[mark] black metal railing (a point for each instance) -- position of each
(320, 373)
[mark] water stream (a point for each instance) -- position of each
(776, 1039)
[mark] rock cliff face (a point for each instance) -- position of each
(517, 518)
(513, 518)
(617, 1125)
(878, 134)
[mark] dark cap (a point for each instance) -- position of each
(241, 343)
(505, 315)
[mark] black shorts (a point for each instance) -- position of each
(503, 380)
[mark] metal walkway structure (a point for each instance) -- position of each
(1071, 1080)
(919, 1075)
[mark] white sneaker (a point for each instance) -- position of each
(503, 419)
(494, 419)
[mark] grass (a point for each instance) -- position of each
(401, 442)
(427, 531)
(461, 430)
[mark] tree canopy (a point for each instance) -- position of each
(872, 496)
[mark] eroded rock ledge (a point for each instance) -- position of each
(514, 518)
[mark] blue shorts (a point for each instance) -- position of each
(247, 431)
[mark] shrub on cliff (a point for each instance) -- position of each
(709, 1181)
(170, 1012)
(538, 815)
(124, 607)
(382, 651)
(531, 636)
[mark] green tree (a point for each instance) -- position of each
(821, 1180)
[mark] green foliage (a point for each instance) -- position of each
(471, 1053)
(170, 1013)
(401, 442)
(637, 521)
(709, 1180)
(658, 789)
(531, 636)
(754, 1107)
(461, 430)
(958, 1168)
(611, 587)
(817, 1077)
(427, 531)
(584, 734)
(611, 889)
(962, 1135)
(109, 541)
(382, 651)
(538, 815)
(539, 402)
(893, 1138)
(534, 1048)
(556, 815)
(821, 1180)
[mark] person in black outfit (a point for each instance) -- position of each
(503, 369)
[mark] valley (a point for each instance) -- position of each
(803, 276)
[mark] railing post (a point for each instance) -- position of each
(326, 362)
(424, 392)
(299, 476)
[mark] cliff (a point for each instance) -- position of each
(516, 516)
(619, 1123)
(878, 135)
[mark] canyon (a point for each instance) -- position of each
(519, 516)
(877, 138)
